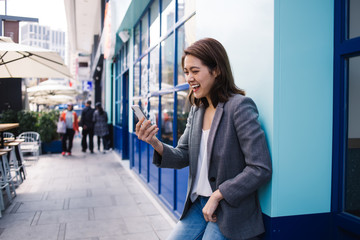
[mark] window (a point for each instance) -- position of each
(185, 8)
(167, 62)
(167, 16)
(154, 70)
(144, 33)
(137, 42)
(346, 131)
(167, 118)
(186, 36)
(352, 166)
(137, 79)
(354, 18)
(183, 108)
(154, 23)
(144, 76)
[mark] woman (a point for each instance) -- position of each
(72, 125)
(100, 126)
(224, 147)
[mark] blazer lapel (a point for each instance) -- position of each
(214, 127)
(196, 138)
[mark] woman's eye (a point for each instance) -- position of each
(186, 73)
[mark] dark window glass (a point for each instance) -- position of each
(167, 118)
(118, 101)
(122, 60)
(167, 15)
(135, 119)
(127, 54)
(183, 109)
(167, 62)
(354, 18)
(186, 36)
(154, 110)
(352, 164)
(154, 70)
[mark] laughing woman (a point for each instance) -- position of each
(224, 147)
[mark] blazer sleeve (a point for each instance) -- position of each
(176, 157)
(253, 144)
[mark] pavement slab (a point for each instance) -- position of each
(83, 197)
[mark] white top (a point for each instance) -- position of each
(201, 185)
(69, 119)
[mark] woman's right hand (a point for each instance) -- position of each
(147, 132)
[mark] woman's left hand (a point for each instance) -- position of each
(211, 206)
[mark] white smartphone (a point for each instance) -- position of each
(138, 112)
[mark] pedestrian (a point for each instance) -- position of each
(70, 118)
(224, 147)
(100, 126)
(86, 121)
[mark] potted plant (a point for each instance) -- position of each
(47, 128)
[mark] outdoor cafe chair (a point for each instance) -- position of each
(4, 180)
(31, 144)
(16, 161)
(8, 135)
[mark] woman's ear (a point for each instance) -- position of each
(216, 72)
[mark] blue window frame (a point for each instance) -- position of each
(164, 29)
(346, 139)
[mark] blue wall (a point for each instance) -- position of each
(303, 84)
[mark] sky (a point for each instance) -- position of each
(49, 12)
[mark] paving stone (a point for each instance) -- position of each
(41, 205)
(117, 212)
(90, 229)
(137, 224)
(80, 193)
(63, 216)
(82, 197)
(17, 219)
(44, 232)
(91, 202)
(158, 222)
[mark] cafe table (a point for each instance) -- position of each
(4, 127)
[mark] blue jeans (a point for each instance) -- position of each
(194, 226)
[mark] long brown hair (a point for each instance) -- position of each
(213, 55)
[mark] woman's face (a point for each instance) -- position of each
(198, 76)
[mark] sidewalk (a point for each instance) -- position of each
(83, 196)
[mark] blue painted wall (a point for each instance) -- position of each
(303, 84)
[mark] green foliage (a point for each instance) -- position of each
(47, 125)
(41, 122)
(28, 121)
(9, 116)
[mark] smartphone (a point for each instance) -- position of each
(138, 112)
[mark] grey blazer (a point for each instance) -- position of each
(239, 163)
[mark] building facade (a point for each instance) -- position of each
(298, 60)
(33, 34)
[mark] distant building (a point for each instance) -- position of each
(33, 34)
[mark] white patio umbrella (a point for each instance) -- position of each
(51, 100)
(51, 90)
(21, 61)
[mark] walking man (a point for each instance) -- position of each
(87, 124)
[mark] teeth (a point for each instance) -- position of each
(195, 86)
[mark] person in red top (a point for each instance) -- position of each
(72, 125)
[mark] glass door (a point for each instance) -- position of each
(346, 138)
